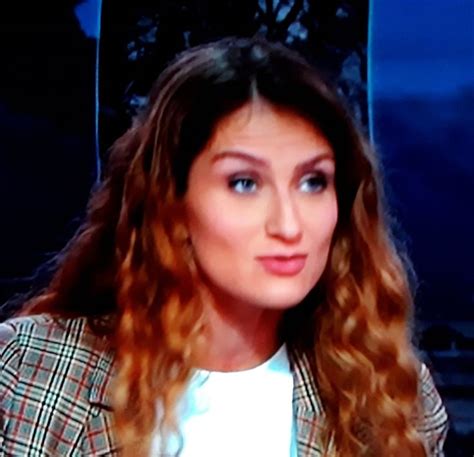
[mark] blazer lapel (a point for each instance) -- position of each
(307, 407)
(100, 391)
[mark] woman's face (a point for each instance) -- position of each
(261, 207)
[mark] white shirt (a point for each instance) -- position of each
(245, 413)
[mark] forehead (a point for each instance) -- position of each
(263, 128)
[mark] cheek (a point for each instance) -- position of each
(218, 227)
(320, 228)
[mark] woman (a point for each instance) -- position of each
(234, 289)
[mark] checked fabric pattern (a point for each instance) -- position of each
(55, 380)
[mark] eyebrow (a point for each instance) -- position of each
(257, 161)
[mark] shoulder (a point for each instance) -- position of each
(26, 330)
(40, 347)
(40, 341)
(54, 376)
(47, 336)
(431, 421)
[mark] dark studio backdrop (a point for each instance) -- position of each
(74, 72)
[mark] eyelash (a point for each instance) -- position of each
(239, 179)
(322, 181)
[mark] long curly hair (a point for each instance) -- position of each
(130, 260)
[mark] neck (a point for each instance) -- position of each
(236, 336)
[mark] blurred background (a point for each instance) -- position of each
(74, 73)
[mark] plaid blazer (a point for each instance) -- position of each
(54, 394)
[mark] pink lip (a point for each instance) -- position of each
(283, 265)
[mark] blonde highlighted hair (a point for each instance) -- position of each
(130, 259)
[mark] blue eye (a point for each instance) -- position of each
(243, 185)
(314, 183)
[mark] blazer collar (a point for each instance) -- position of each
(307, 405)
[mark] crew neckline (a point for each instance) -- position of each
(277, 361)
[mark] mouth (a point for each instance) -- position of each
(283, 265)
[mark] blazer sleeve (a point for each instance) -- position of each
(433, 423)
(9, 365)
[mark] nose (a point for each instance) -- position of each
(283, 220)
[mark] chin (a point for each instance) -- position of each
(281, 297)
